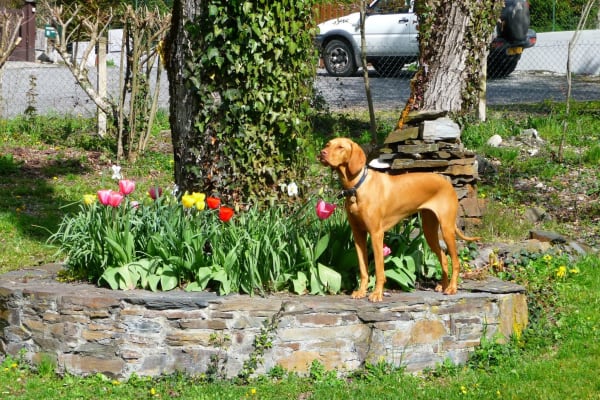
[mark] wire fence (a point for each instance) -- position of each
(540, 75)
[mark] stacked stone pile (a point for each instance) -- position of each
(431, 143)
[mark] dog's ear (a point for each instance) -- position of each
(357, 159)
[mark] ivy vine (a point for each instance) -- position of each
(253, 72)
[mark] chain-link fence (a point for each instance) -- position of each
(539, 75)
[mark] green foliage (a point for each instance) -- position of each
(493, 353)
(8, 165)
(559, 15)
(410, 258)
(253, 71)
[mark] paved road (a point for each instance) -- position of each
(392, 93)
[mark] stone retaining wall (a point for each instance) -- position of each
(86, 329)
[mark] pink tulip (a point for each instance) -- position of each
(126, 186)
(324, 209)
(103, 196)
(386, 251)
(115, 199)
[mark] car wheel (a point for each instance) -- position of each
(500, 65)
(339, 58)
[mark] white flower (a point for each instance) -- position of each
(116, 172)
(292, 189)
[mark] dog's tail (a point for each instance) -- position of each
(463, 237)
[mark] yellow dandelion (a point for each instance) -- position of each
(116, 383)
(547, 258)
(54, 178)
(253, 391)
(152, 392)
(14, 365)
(463, 390)
(561, 272)
(574, 270)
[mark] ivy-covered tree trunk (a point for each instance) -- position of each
(240, 76)
(453, 41)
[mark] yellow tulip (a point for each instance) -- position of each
(188, 200)
(199, 200)
(89, 199)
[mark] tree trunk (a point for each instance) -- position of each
(453, 43)
(184, 103)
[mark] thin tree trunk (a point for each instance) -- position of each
(363, 45)
(582, 20)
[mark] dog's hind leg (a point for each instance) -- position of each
(430, 230)
(448, 233)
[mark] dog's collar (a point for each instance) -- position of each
(352, 191)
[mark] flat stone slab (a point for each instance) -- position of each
(87, 330)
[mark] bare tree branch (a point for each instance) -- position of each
(9, 34)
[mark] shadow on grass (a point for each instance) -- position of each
(30, 206)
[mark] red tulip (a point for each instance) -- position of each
(324, 209)
(103, 196)
(225, 213)
(115, 199)
(213, 202)
(155, 192)
(126, 186)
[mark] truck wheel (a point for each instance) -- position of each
(500, 65)
(339, 59)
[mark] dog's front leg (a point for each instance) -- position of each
(360, 241)
(377, 241)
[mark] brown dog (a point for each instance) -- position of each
(376, 201)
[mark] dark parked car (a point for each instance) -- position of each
(392, 38)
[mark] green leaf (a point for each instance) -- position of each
(110, 276)
(330, 278)
(221, 276)
(153, 281)
(118, 251)
(299, 283)
(169, 278)
(321, 246)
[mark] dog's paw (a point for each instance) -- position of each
(438, 288)
(450, 290)
(376, 297)
(359, 294)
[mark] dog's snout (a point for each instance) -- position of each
(323, 155)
